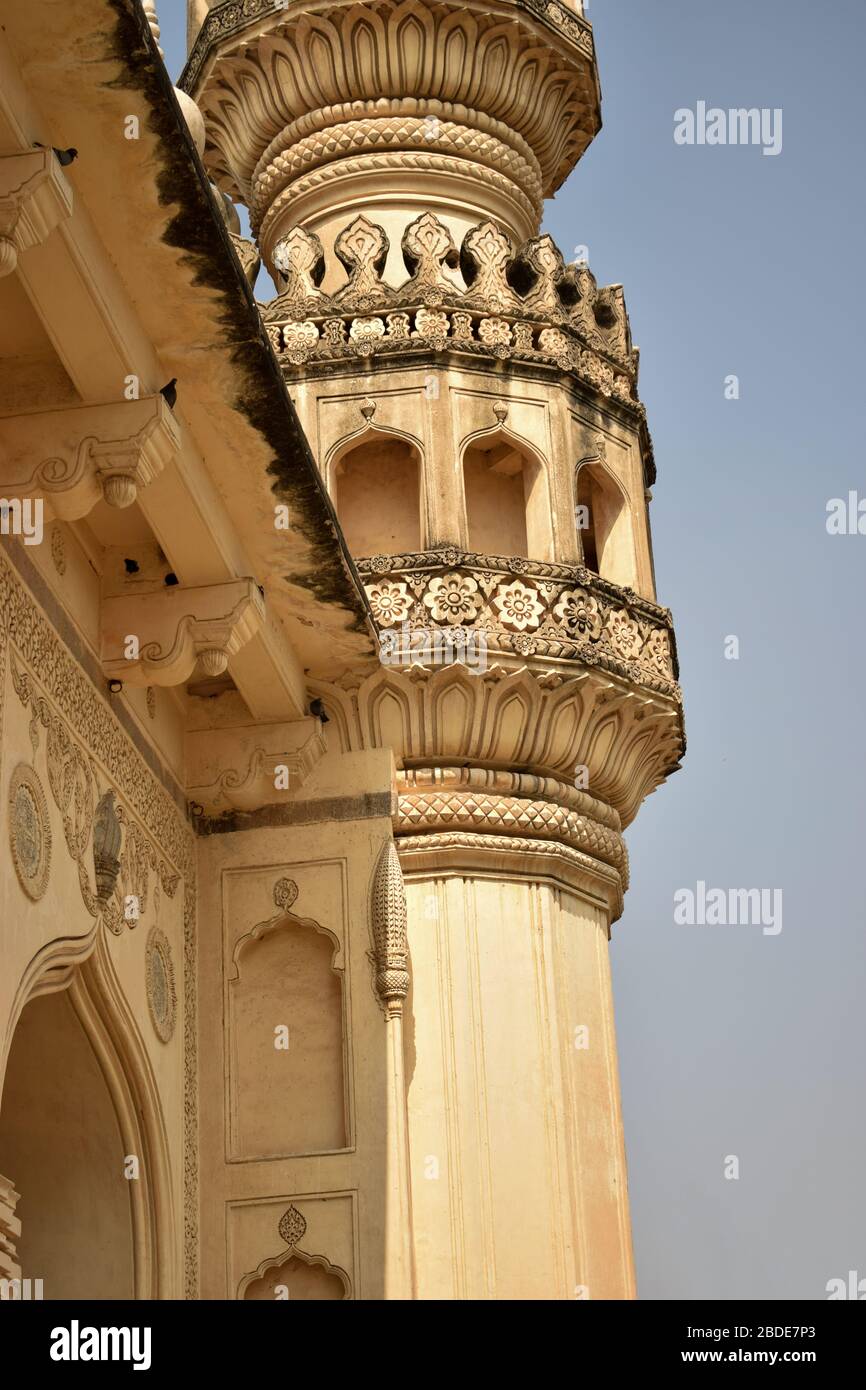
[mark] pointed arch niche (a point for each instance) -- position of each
(506, 496)
(79, 1097)
(309, 1278)
(604, 522)
(286, 1024)
(375, 485)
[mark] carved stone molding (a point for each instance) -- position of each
(98, 452)
(390, 947)
(506, 784)
(547, 718)
(29, 831)
(176, 628)
(463, 853)
(499, 815)
(10, 1230)
(529, 66)
(34, 196)
(254, 767)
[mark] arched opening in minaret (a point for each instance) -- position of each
(507, 507)
(376, 490)
(61, 1147)
(602, 519)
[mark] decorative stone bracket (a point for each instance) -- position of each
(34, 197)
(74, 458)
(157, 638)
(250, 768)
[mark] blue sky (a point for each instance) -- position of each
(733, 1042)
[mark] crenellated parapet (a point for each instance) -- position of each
(489, 298)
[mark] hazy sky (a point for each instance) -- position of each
(732, 1041)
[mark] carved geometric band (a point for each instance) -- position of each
(398, 162)
(495, 781)
(400, 133)
(500, 815)
(398, 107)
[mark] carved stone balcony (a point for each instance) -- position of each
(516, 607)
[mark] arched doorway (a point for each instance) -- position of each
(83, 1142)
(61, 1139)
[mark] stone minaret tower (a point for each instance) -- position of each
(471, 401)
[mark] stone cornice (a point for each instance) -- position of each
(226, 20)
(532, 59)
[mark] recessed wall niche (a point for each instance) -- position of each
(286, 1036)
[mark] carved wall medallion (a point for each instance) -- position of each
(29, 831)
(161, 996)
(285, 893)
(292, 1226)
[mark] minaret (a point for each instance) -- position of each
(472, 404)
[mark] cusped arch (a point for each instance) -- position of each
(90, 981)
(603, 519)
(287, 1088)
(506, 494)
(375, 478)
(279, 1263)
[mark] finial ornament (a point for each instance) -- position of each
(389, 930)
(153, 24)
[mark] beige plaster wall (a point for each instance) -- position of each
(335, 1178)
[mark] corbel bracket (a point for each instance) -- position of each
(159, 638)
(77, 457)
(34, 197)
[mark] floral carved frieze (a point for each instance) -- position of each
(510, 303)
(525, 607)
